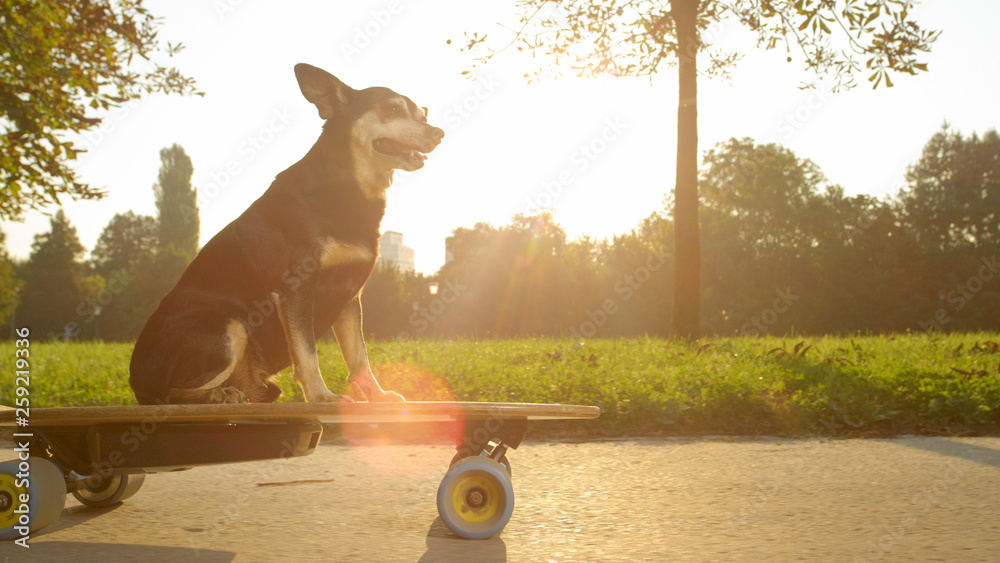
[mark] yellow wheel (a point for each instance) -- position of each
(32, 494)
(105, 491)
(475, 498)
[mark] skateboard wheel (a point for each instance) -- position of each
(503, 461)
(105, 491)
(45, 488)
(475, 498)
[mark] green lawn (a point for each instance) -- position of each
(845, 386)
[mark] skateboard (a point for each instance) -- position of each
(101, 455)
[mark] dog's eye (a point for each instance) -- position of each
(391, 110)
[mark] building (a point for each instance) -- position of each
(393, 252)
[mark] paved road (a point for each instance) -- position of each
(908, 499)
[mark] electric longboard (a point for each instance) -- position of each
(102, 454)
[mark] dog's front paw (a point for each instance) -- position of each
(228, 395)
(376, 394)
(328, 396)
(389, 397)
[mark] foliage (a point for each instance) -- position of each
(10, 287)
(635, 37)
(840, 386)
(124, 242)
(388, 300)
(837, 39)
(176, 203)
(52, 278)
(64, 63)
(506, 278)
(953, 192)
(784, 251)
(138, 259)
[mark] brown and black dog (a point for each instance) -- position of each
(292, 266)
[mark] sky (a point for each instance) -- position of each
(598, 152)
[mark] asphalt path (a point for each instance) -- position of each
(906, 499)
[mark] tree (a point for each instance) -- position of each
(64, 62)
(126, 240)
(176, 203)
(10, 287)
(952, 198)
(514, 278)
(386, 303)
(635, 38)
(52, 277)
(124, 252)
(155, 266)
(762, 214)
(768, 192)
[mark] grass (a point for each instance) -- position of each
(839, 386)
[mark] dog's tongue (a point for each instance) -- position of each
(417, 155)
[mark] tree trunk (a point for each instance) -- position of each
(685, 319)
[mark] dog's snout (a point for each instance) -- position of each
(437, 134)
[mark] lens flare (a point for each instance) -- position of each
(443, 427)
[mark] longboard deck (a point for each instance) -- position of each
(327, 413)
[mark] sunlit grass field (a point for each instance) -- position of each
(839, 386)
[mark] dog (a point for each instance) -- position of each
(259, 294)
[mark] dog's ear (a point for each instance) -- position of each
(425, 112)
(323, 89)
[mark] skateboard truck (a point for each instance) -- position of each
(491, 438)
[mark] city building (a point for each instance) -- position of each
(393, 252)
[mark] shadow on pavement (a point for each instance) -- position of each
(954, 448)
(75, 552)
(444, 546)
